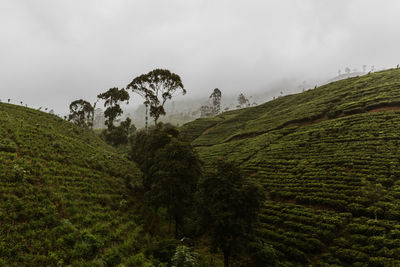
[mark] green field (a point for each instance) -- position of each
(311, 152)
(63, 199)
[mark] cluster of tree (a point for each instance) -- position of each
(347, 70)
(221, 204)
(156, 87)
(214, 107)
(242, 101)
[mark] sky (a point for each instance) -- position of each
(55, 51)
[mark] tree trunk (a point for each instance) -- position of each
(147, 118)
(226, 259)
(376, 217)
(176, 229)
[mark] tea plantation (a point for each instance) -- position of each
(63, 199)
(312, 152)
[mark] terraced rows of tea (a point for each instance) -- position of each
(63, 198)
(312, 151)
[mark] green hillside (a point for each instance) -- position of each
(63, 199)
(311, 151)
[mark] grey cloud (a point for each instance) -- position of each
(52, 52)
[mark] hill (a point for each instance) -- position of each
(312, 151)
(63, 199)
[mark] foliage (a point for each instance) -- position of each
(311, 152)
(175, 172)
(184, 257)
(81, 113)
(145, 146)
(115, 135)
(112, 99)
(165, 249)
(216, 101)
(60, 193)
(242, 101)
(374, 192)
(206, 111)
(229, 206)
(19, 173)
(121, 134)
(171, 169)
(156, 87)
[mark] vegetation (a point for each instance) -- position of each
(115, 135)
(112, 99)
(229, 206)
(374, 192)
(81, 113)
(171, 170)
(156, 87)
(63, 196)
(184, 257)
(327, 161)
(242, 101)
(216, 101)
(312, 153)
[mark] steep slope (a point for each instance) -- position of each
(63, 198)
(311, 152)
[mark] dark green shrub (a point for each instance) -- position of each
(165, 249)
(112, 257)
(19, 173)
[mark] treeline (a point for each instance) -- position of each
(156, 88)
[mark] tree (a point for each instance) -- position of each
(184, 257)
(228, 207)
(81, 113)
(156, 87)
(374, 192)
(205, 111)
(113, 97)
(120, 134)
(364, 67)
(175, 172)
(216, 101)
(243, 101)
(347, 70)
(171, 169)
(145, 145)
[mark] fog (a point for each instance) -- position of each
(53, 52)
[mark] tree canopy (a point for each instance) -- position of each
(81, 113)
(112, 98)
(171, 170)
(216, 101)
(229, 205)
(243, 101)
(156, 87)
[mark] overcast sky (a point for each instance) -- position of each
(53, 52)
